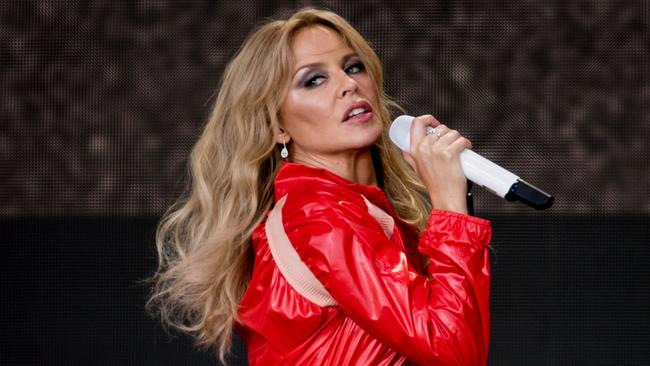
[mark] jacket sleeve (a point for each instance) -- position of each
(440, 319)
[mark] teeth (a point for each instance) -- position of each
(356, 111)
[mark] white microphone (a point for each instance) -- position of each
(480, 170)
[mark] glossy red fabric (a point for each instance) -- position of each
(391, 310)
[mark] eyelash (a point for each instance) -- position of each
(358, 65)
(311, 82)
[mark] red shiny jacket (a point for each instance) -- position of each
(390, 310)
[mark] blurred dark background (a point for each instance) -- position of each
(101, 102)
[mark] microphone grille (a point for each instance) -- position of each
(400, 132)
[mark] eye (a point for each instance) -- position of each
(314, 81)
(355, 68)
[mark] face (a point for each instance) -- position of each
(330, 109)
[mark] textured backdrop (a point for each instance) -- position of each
(101, 102)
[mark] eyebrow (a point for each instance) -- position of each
(320, 64)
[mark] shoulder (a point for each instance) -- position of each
(311, 202)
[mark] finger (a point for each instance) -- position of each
(419, 129)
(460, 144)
(448, 136)
(440, 131)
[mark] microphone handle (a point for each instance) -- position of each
(486, 173)
(502, 182)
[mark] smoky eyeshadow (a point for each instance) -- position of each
(313, 70)
(351, 60)
(307, 75)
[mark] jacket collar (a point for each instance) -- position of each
(291, 175)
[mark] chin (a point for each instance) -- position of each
(369, 140)
(365, 137)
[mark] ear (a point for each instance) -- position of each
(282, 136)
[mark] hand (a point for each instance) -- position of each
(436, 161)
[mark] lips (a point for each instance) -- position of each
(360, 110)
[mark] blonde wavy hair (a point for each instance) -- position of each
(203, 241)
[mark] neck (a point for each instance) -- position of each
(353, 166)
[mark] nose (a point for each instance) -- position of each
(348, 85)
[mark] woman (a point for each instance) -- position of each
(351, 266)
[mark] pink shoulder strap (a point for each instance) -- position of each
(294, 270)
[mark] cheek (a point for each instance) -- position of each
(369, 86)
(305, 109)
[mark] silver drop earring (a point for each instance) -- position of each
(284, 153)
